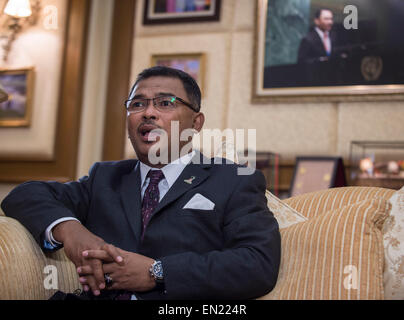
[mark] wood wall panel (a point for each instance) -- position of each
(118, 79)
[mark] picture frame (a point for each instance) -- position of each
(180, 11)
(19, 85)
(192, 63)
(317, 173)
(364, 66)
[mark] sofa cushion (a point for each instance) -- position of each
(24, 267)
(22, 263)
(335, 255)
(314, 203)
(393, 237)
(284, 214)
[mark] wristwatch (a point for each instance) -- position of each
(156, 271)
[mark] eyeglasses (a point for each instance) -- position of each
(162, 103)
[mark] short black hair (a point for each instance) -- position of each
(190, 85)
(317, 14)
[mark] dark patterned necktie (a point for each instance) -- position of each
(151, 197)
(150, 201)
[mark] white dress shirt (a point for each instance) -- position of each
(171, 173)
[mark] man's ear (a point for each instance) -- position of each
(199, 120)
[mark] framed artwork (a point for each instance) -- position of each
(360, 58)
(16, 110)
(317, 173)
(180, 11)
(191, 63)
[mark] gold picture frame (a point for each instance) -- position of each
(191, 63)
(172, 12)
(16, 111)
(343, 92)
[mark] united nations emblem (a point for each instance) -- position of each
(371, 67)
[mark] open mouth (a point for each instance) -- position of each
(149, 133)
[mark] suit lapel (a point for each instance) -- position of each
(319, 43)
(131, 200)
(192, 175)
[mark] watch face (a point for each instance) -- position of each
(158, 270)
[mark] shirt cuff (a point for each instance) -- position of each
(48, 232)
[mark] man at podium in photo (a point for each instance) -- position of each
(317, 47)
(319, 42)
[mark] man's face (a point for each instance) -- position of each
(325, 21)
(141, 123)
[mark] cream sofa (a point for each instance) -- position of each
(332, 248)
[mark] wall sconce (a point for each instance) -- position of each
(20, 13)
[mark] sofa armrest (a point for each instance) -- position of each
(22, 266)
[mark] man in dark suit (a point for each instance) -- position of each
(189, 229)
(319, 43)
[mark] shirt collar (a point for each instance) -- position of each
(171, 171)
(320, 32)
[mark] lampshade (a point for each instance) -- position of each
(18, 8)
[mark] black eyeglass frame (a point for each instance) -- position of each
(169, 96)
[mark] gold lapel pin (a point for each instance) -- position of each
(189, 181)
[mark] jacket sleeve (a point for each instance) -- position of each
(304, 51)
(37, 204)
(248, 265)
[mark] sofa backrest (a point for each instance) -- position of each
(312, 204)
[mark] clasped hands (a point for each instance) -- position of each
(93, 258)
(128, 270)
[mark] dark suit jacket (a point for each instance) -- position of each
(231, 252)
(312, 48)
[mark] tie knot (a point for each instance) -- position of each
(155, 176)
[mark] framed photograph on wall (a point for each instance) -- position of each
(16, 110)
(326, 50)
(317, 173)
(180, 11)
(191, 63)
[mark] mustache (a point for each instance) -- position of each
(148, 123)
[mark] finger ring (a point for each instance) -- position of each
(108, 280)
